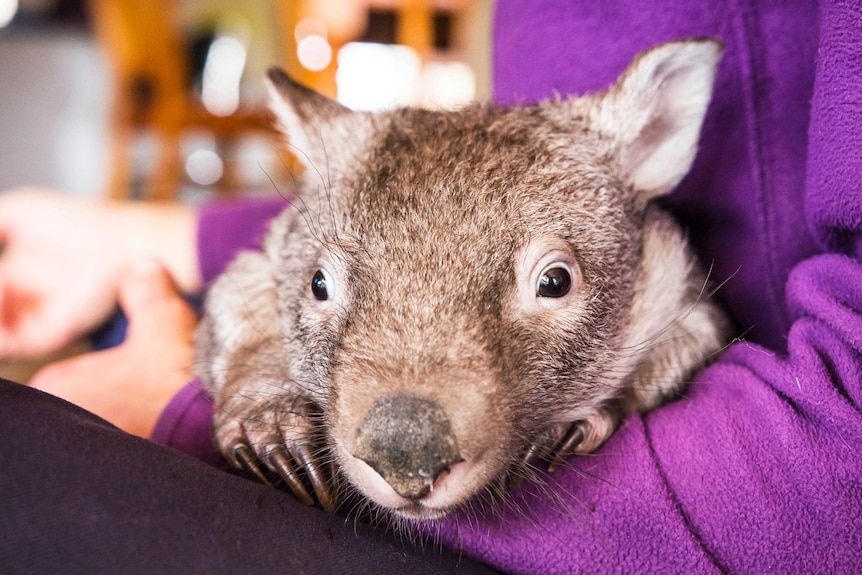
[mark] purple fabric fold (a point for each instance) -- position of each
(835, 150)
(185, 424)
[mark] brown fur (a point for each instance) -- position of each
(432, 225)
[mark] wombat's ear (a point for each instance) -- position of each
(656, 109)
(323, 134)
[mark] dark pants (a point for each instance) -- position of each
(78, 495)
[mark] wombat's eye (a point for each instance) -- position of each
(322, 285)
(554, 281)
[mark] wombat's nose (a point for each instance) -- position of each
(409, 442)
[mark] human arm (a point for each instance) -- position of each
(63, 259)
(143, 385)
(130, 384)
(62, 270)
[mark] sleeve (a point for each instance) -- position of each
(185, 424)
(224, 229)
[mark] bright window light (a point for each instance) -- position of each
(204, 167)
(314, 52)
(378, 76)
(448, 85)
(222, 75)
(8, 8)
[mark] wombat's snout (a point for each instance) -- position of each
(409, 442)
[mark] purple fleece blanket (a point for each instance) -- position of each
(757, 469)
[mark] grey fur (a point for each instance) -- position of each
(431, 225)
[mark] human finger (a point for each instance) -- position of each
(151, 301)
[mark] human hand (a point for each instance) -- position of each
(62, 258)
(130, 385)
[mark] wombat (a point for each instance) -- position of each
(456, 296)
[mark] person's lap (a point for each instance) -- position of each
(80, 495)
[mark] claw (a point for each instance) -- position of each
(515, 476)
(538, 452)
(230, 452)
(574, 436)
(277, 459)
(535, 453)
(243, 457)
(516, 473)
(498, 489)
(315, 476)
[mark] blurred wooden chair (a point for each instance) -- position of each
(151, 91)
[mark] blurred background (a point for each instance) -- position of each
(163, 100)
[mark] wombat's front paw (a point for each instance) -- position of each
(266, 440)
(562, 441)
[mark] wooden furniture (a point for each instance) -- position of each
(147, 52)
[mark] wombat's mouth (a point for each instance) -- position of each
(446, 492)
(417, 511)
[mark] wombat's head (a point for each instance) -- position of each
(457, 287)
